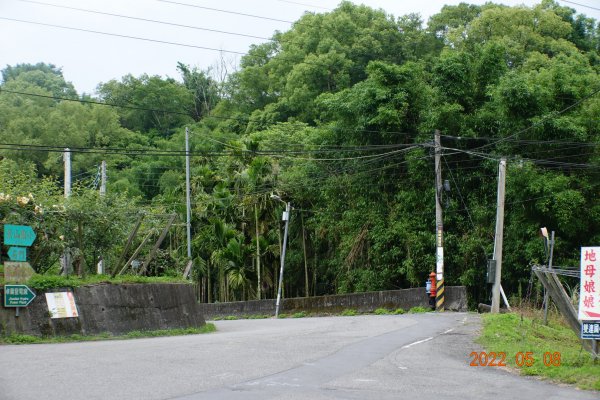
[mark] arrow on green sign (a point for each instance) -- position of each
(18, 235)
(17, 253)
(17, 296)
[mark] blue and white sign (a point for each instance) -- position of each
(590, 329)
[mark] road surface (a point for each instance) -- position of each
(423, 356)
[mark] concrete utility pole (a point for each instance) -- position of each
(103, 178)
(439, 226)
(100, 265)
(499, 235)
(187, 194)
(67, 160)
(286, 218)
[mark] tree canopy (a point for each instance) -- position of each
(336, 115)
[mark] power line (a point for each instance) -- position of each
(138, 108)
(543, 119)
(225, 11)
(525, 141)
(581, 5)
(143, 19)
(160, 41)
(304, 4)
(123, 36)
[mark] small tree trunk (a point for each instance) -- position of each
(258, 291)
(80, 258)
(306, 290)
(208, 288)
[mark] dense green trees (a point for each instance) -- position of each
(336, 115)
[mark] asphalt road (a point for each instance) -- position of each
(424, 356)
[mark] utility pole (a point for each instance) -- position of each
(187, 194)
(286, 218)
(546, 296)
(65, 259)
(499, 235)
(67, 160)
(439, 225)
(103, 178)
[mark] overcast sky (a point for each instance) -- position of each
(90, 58)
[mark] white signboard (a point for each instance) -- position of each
(589, 295)
(61, 305)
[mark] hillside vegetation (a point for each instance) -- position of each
(336, 116)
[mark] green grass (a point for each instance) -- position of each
(28, 339)
(300, 314)
(511, 334)
(258, 316)
(348, 312)
(418, 310)
(45, 282)
(382, 311)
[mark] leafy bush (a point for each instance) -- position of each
(20, 339)
(47, 281)
(399, 311)
(259, 316)
(300, 314)
(382, 311)
(418, 310)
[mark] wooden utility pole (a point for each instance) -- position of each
(499, 235)
(162, 236)
(546, 297)
(439, 225)
(128, 244)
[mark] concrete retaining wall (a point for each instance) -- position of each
(110, 308)
(455, 300)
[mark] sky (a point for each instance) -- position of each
(88, 58)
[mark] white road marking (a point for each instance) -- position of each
(418, 342)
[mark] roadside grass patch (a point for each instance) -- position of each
(513, 334)
(382, 311)
(46, 282)
(300, 314)
(29, 339)
(259, 316)
(349, 312)
(398, 311)
(418, 310)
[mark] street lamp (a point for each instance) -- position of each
(286, 218)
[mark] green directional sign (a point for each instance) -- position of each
(18, 235)
(17, 296)
(17, 253)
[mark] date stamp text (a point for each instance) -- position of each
(522, 359)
